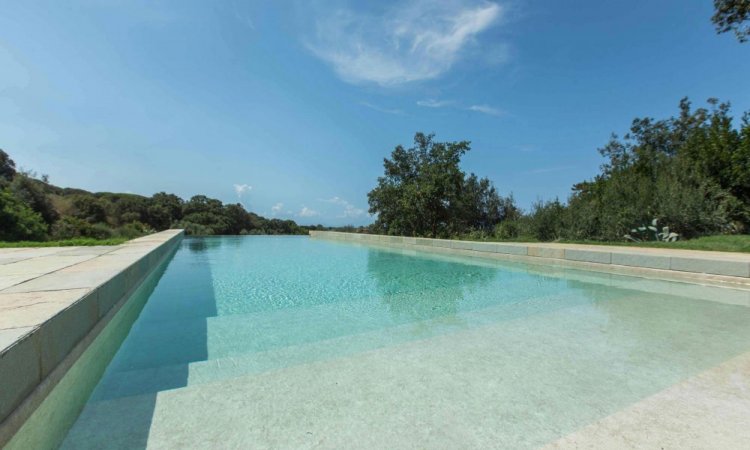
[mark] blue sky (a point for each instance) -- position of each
(290, 107)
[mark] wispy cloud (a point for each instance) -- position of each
(380, 109)
(242, 189)
(275, 209)
(486, 109)
(350, 211)
(415, 40)
(307, 212)
(432, 103)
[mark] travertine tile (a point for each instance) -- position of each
(32, 308)
(42, 264)
(602, 257)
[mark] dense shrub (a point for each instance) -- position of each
(18, 221)
(692, 172)
(508, 229)
(133, 230)
(89, 208)
(70, 227)
(31, 192)
(546, 222)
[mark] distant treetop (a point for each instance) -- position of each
(732, 15)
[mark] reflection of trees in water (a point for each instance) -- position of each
(199, 244)
(423, 288)
(202, 244)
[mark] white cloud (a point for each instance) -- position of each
(415, 40)
(307, 212)
(242, 189)
(486, 109)
(275, 209)
(350, 211)
(383, 110)
(432, 103)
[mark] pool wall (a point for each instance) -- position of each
(34, 362)
(674, 264)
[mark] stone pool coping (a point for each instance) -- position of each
(53, 301)
(708, 267)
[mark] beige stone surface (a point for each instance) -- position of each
(547, 252)
(711, 410)
(7, 281)
(64, 280)
(11, 335)
(32, 308)
(39, 283)
(20, 372)
(51, 298)
(42, 264)
(641, 260)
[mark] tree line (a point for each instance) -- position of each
(33, 209)
(690, 171)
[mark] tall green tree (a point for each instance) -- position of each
(7, 167)
(164, 209)
(90, 208)
(732, 15)
(33, 193)
(424, 192)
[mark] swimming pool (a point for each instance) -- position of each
(279, 342)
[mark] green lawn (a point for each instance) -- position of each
(81, 242)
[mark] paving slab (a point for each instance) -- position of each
(11, 335)
(93, 250)
(32, 308)
(42, 264)
(7, 281)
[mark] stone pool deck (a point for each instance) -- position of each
(52, 302)
(672, 264)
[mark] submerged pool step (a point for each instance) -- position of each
(185, 341)
(175, 376)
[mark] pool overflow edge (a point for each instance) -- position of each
(30, 368)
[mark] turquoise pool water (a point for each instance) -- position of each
(278, 342)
